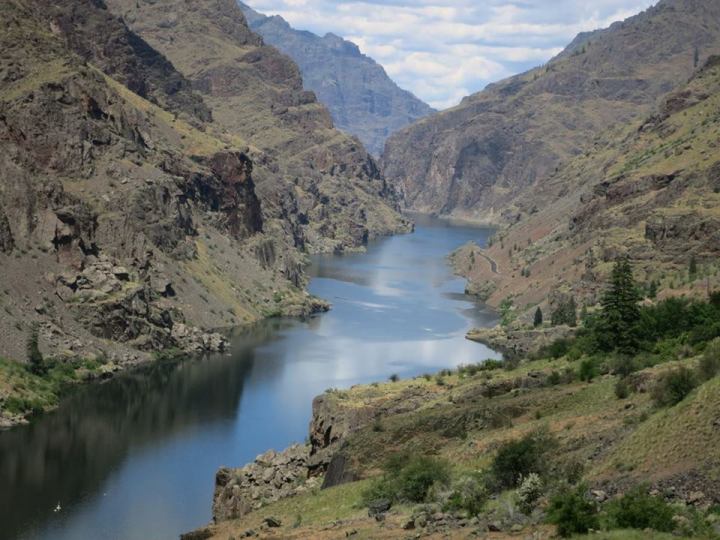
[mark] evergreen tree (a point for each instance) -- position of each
(620, 311)
(693, 266)
(571, 312)
(538, 320)
(653, 289)
(565, 313)
(35, 357)
(696, 57)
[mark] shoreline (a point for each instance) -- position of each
(101, 372)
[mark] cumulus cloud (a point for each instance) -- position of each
(443, 50)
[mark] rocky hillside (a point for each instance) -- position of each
(574, 431)
(649, 191)
(475, 159)
(362, 99)
(136, 210)
(323, 182)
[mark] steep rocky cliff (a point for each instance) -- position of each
(475, 159)
(136, 211)
(360, 96)
(649, 191)
(321, 181)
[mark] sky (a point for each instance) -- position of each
(443, 50)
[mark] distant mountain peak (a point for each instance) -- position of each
(362, 99)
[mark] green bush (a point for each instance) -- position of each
(469, 494)
(491, 364)
(517, 459)
(408, 479)
(638, 510)
(710, 362)
(588, 370)
(622, 390)
(572, 513)
(622, 365)
(673, 387)
(529, 492)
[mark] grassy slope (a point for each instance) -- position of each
(591, 424)
(23, 393)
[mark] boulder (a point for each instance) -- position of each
(379, 506)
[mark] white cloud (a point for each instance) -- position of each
(442, 50)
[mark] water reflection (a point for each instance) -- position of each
(134, 458)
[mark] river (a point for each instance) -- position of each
(135, 457)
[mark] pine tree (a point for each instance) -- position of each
(565, 313)
(35, 357)
(693, 266)
(571, 312)
(620, 311)
(653, 290)
(538, 320)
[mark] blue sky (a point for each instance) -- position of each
(443, 50)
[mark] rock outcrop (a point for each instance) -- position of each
(476, 159)
(271, 477)
(519, 343)
(361, 98)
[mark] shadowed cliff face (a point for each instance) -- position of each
(360, 96)
(475, 159)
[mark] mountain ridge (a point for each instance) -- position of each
(361, 97)
(511, 136)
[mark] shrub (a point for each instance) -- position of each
(394, 377)
(511, 363)
(529, 492)
(517, 459)
(673, 387)
(588, 370)
(557, 349)
(638, 510)
(622, 390)
(408, 479)
(710, 362)
(491, 364)
(572, 513)
(469, 494)
(622, 365)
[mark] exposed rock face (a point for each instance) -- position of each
(271, 477)
(521, 342)
(476, 159)
(361, 98)
(122, 55)
(127, 219)
(317, 184)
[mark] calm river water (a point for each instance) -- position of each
(135, 458)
